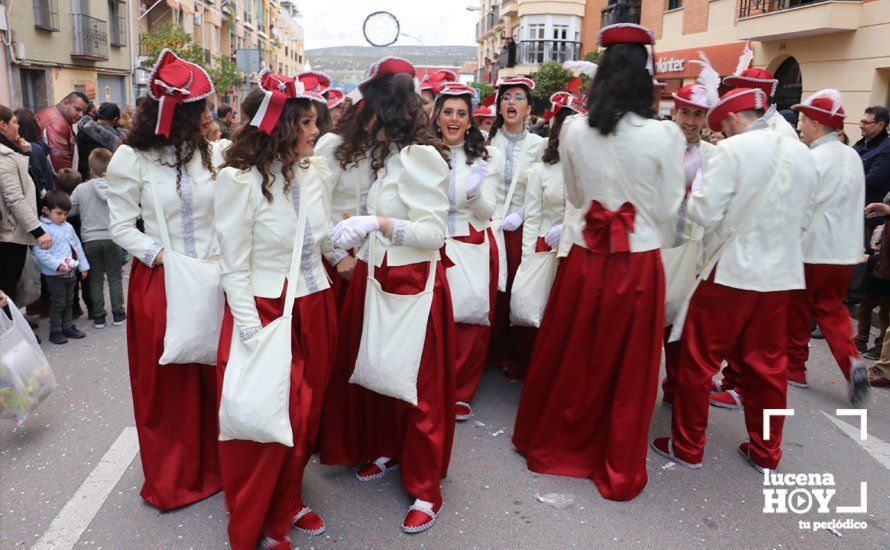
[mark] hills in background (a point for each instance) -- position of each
(347, 65)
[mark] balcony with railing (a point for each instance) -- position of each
(621, 12)
(534, 52)
(46, 15)
(779, 19)
(509, 8)
(90, 38)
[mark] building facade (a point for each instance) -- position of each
(289, 33)
(60, 46)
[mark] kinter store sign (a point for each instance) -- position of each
(676, 63)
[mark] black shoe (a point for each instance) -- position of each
(118, 318)
(99, 321)
(58, 338)
(858, 385)
(32, 324)
(72, 332)
(862, 346)
(817, 334)
(872, 353)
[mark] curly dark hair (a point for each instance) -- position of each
(551, 153)
(390, 113)
(499, 118)
(622, 85)
(251, 147)
(323, 118)
(186, 137)
(28, 126)
(474, 143)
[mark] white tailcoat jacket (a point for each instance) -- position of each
(516, 154)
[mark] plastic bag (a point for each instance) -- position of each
(26, 378)
(28, 289)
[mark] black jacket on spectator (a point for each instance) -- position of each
(876, 161)
(92, 135)
(41, 169)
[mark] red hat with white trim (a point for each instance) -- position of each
(563, 100)
(322, 81)
(335, 97)
(278, 88)
(431, 81)
(516, 81)
(387, 66)
(735, 101)
(172, 82)
(625, 33)
(454, 89)
(703, 94)
(747, 77)
(486, 111)
(824, 107)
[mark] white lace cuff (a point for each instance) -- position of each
(151, 255)
(247, 333)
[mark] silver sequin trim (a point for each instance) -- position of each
(336, 256)
(400, 227)
(306, 270)
(149, 258)
(188, 221)
(247, 333)
(452, 199)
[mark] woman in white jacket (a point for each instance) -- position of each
(407, 214)
(517, 150)
(472, 186)
(165, 155)
(268, 178)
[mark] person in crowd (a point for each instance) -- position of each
(270, 175)
(67, 180)
(57, 124)
(715, 137)
(875, 296)
(484, 118)
(226, 118)
(95, 133)
(759, 185)
(879, 374)
(832, 245)
(20, 226)
(126, 120)
(406, 220)
(874, 149)
(587, 402)
(38, 161)
(166, 156)
(518, 149)
(471, 196)
(690, 111)
(335, 103)
(90, 202)
(214, 133)
(58, 263)
(428, 86)
(843, 137)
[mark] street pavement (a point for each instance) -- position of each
(490, 497)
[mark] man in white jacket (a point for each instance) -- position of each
(832, 245)
(754, 205)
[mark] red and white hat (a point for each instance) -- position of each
(704, 93)
(431, 81)
(322, 81)
(486, 111)
(454, 89)
(172, 82)
(504, 83)
(278, 88)
(735, 101)
(625, 33)
(335, 97)
(387, 66)
(563, 100)
(746, 77)
(824, 107)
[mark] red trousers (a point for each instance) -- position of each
(823, 300)
(671, 360)
(511, 347)
(589, 394)
(472, 340)
(262, 481)
(753, 325)
(175, 405)
(359, 425)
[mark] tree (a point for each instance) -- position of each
(550, 78)
(225, 74)
(485, 89)
(593, 57)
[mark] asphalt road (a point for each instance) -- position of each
(490, 495)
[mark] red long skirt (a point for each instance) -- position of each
(175, 405)
(338, 284)
(359, 425)
(472, 340)
(262, 481)
(589, 394)
(827, 286)
(511, 347)
(752, 326)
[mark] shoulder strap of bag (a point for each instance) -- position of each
(297, 254)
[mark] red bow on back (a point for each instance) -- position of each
(609, 231)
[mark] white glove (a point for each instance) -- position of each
(552, 236)
(352, 231)
(512, 222)
(477, 176)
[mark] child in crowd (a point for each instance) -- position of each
(68, 179)
(59, 263)
(105, 258)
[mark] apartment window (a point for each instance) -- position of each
(34, 95)
(675, 4)
(46, 15)
(117, 23)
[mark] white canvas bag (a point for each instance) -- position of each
(531, 288)
(469, 280)
(195, 301)
(393, 335)
(256, 386)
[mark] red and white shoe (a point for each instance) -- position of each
(376, 469)
(798, 379)
(421, 516)
(727, 399)
(665, 447)
(308, 522)
(462, 411)
(268, 543)
(745, 451)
